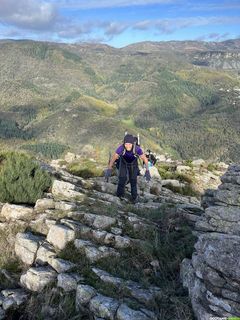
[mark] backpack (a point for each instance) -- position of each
(151, 157)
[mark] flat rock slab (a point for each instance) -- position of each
(44, 204)
(62, 190)
(61, 265)
(60, 235)
(68, 281)
(45, 253)
(26, 246)
(84, 294)
(126, 313)
(94, 253)
(103, 306)
(14, 212)
(36, 279)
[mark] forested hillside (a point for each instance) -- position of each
(182, 97)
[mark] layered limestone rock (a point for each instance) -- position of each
(37, 278)
(12, 212)
(212, 276)
(65, 190)
(72, 230)
(26, 246)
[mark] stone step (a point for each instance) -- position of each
(130, 288)
(104, 307)
(100, 236)
(69, 281)
(37, 278)
(94, 220)
(93, 252)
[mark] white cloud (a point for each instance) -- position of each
(213, 36)
(168, 26)
(28, 14)
(114, 28)
(91, 4)
(214, 6)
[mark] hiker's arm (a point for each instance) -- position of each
(114, 158)
(145, 160)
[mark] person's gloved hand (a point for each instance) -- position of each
(107, 173)
(147, 175)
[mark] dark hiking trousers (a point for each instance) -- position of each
(127, 172)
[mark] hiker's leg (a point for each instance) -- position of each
(133, 183)
(122, 177)
(133, 173)
(121, 186)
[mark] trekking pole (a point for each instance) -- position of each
(109, 159)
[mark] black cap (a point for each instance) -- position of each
(129, 139)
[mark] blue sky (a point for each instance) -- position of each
(119, 22)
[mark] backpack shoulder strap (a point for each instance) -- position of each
(123, 152)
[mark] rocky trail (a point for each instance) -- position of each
(75, 231)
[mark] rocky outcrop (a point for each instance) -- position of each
(212, 275)
(73, 229)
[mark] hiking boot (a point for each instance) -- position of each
(121, 198)
(134, 200)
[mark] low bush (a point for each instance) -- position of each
(50, 150)
(85, 169)
(21, 178)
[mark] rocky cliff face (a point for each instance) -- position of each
(212, 275)
(218, 59)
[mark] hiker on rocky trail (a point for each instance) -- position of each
(126, 158)
(151, 158)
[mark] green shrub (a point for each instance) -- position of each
(212, 167)
(183, 177)
(85, 169)
(10, 129)
(50, 150)
(21, 178)
(188, 163)
(186, 190)
(169, 172)
(166, 171)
